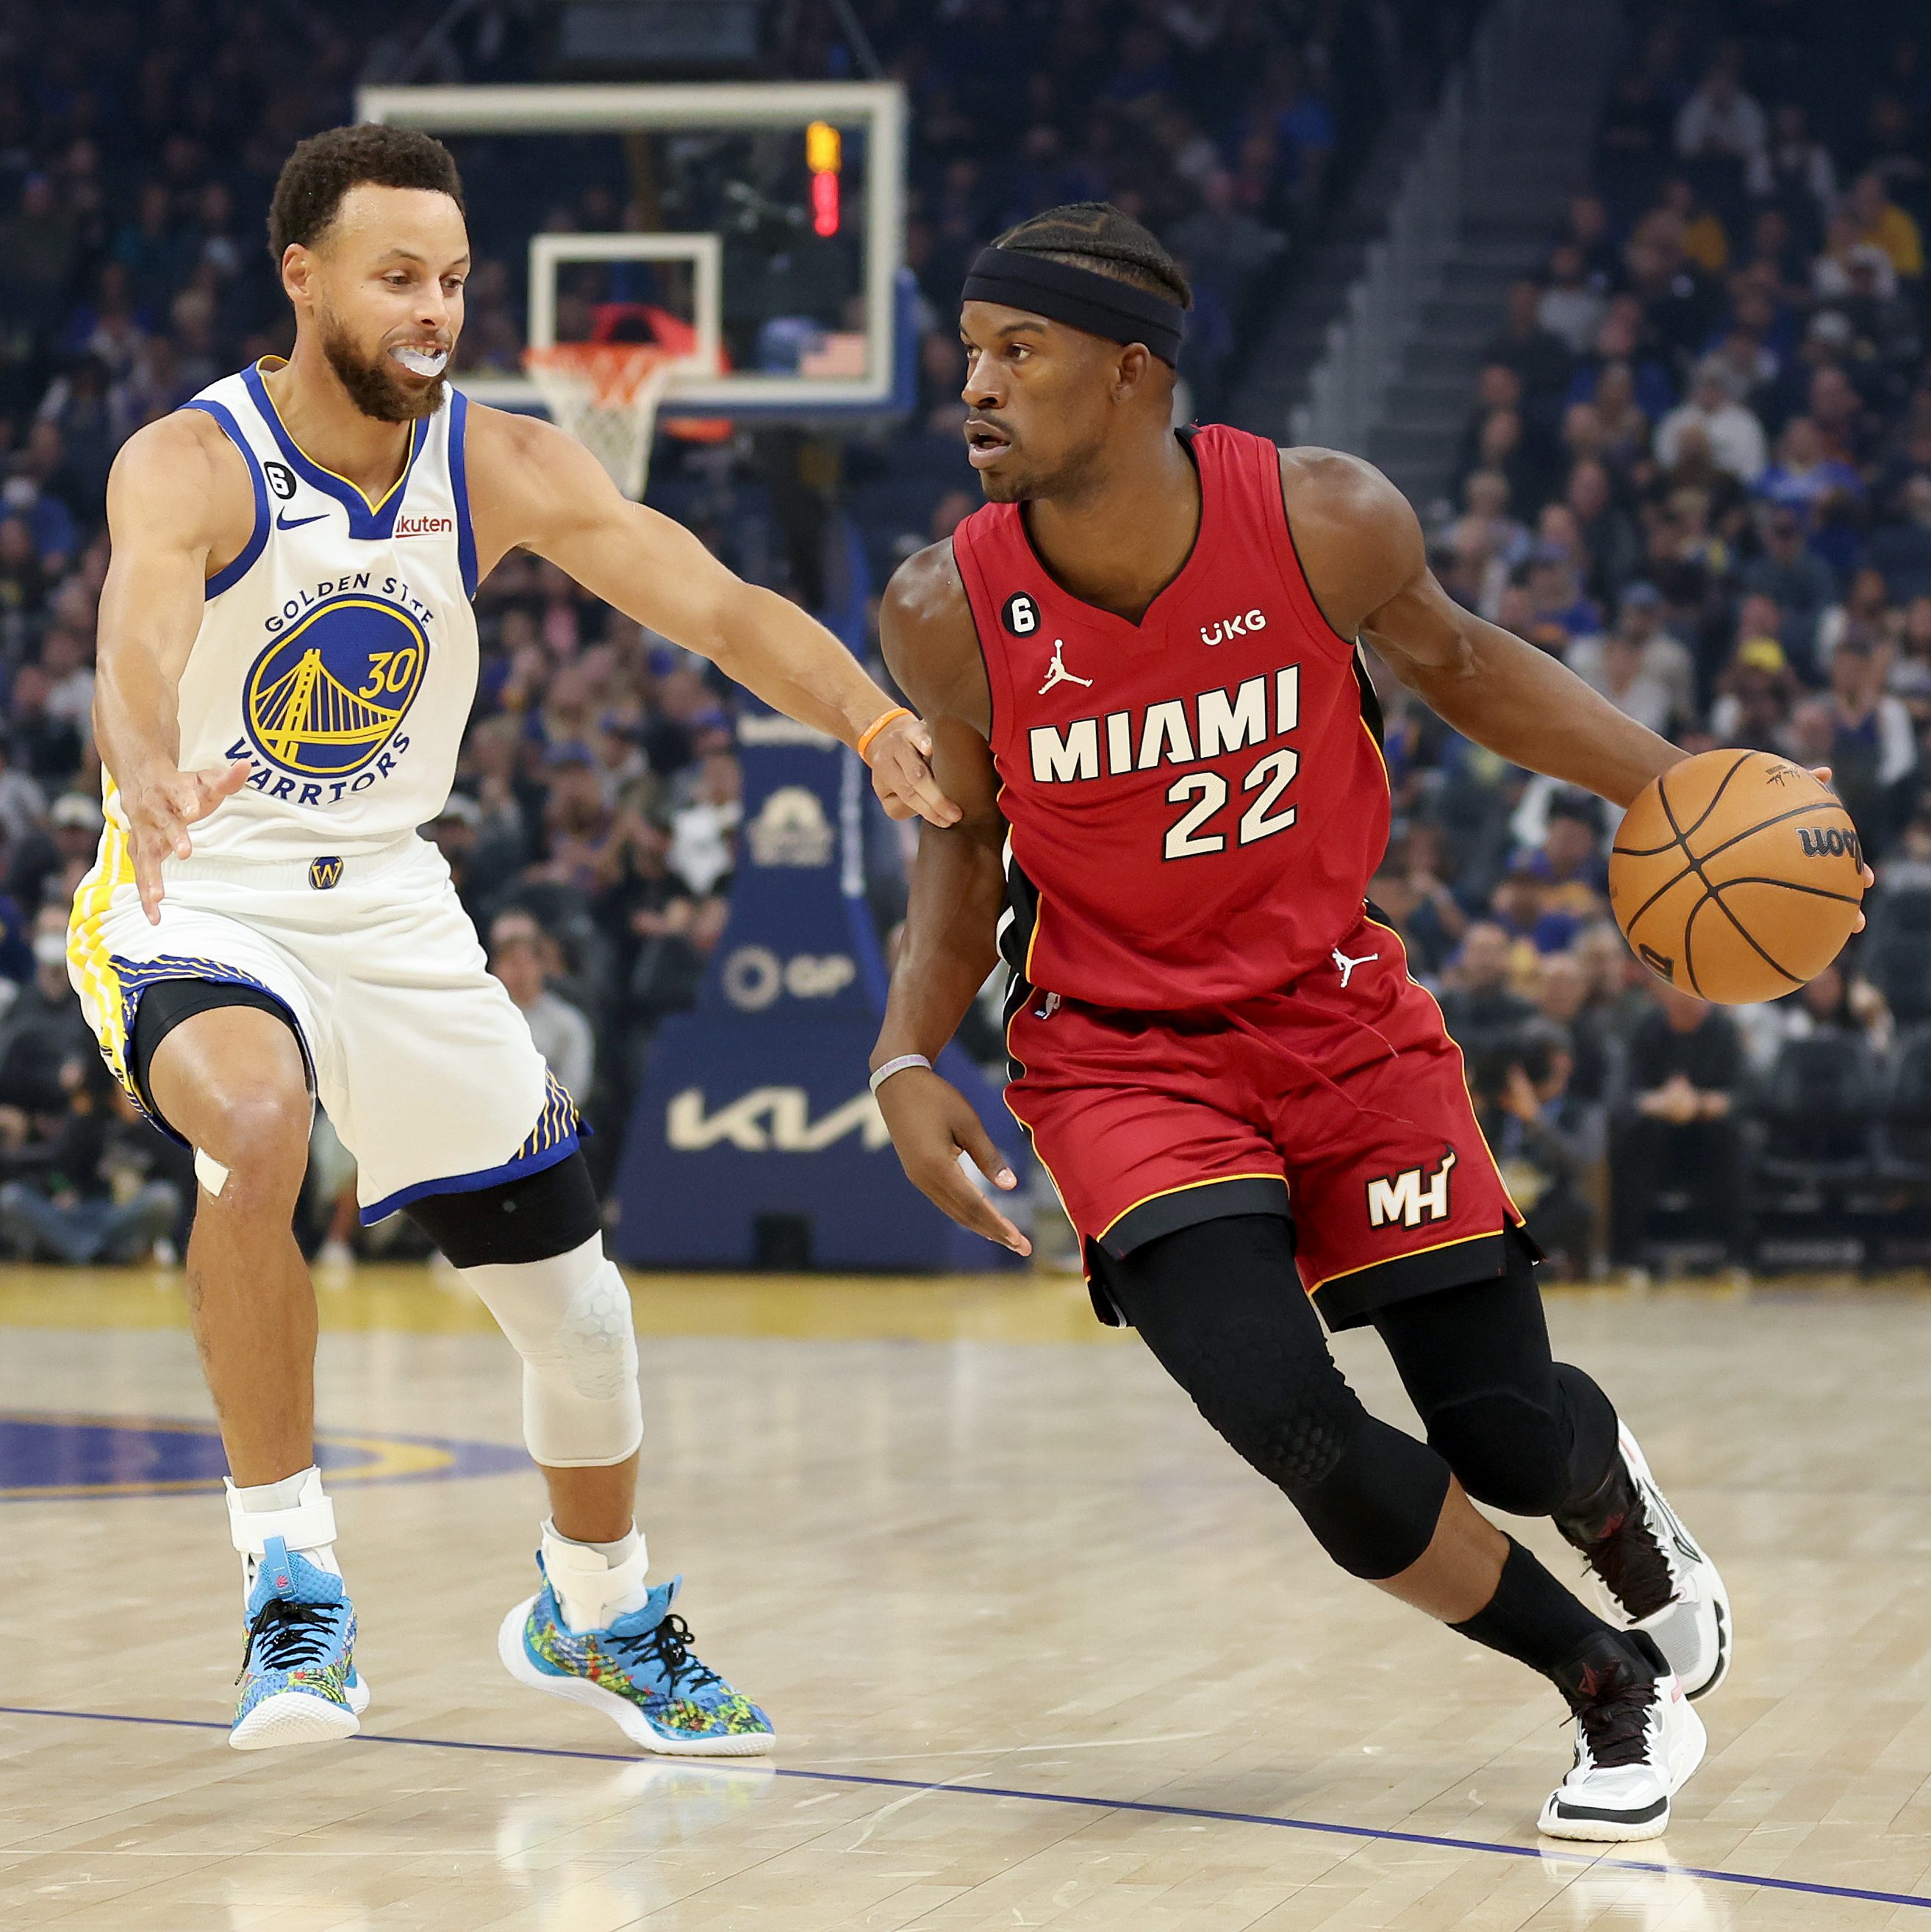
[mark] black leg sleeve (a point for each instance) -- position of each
(1523, 1432)
(1222, 1307)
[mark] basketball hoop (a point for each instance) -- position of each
(606, 394)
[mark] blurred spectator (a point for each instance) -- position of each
(561, 1033)
(1572, 306)
(703, 832)
(42, 1030)
(1539, 358)
(1477, 999)
(1794, 578)
(1836, 1003)
(1686, 1073)
(1545, 1140)
(1900, 552)
(1755, 696)
(1879, 220)
(1721, 119)
(72, 1196)
(1735, 436)
(1873, 754)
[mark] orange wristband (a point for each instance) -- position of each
(865, 741)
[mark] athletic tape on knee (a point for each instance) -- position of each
(309, 1524)
(569, 1318)
(209, 1171)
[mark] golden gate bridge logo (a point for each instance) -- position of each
(323, 700)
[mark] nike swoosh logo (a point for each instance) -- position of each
(285, 522)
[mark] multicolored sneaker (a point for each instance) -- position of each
(639, 1672)
(298, 1681)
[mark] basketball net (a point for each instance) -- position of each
(606, 394)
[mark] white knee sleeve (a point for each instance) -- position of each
(569, 1318)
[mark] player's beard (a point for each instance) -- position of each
(1030, 484)
(372, 387)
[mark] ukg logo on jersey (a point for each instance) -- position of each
(407, 525)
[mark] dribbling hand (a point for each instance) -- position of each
(159, 813)
(901, 774)
(931, 1123)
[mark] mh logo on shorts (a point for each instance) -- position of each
(326, 698)
(1404, 1200)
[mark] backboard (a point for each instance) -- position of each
(760, 225)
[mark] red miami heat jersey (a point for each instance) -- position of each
(1197, 801)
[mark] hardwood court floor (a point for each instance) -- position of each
(1040, 1652)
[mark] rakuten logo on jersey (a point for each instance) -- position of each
(424, 526)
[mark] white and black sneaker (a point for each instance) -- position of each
(1637, 1741)
(1651, 1575)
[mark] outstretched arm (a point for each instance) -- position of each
(534, 488)
(1362, 548)
(177, 497)
(958, 886)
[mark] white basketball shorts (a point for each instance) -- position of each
(420, 1059)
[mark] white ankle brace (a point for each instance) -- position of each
(309, 1524)
(590, 1589)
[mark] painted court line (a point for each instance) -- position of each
(1370, 1833)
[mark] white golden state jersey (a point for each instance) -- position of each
(337, 652)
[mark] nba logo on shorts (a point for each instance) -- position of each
(324, 875)
(325, 697)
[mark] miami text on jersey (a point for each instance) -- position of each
(1176, 731)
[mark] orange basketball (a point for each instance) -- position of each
(1736, 876)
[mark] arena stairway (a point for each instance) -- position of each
(1529, 155)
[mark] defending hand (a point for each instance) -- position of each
(159, 812)
(901, 773)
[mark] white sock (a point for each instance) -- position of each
(596, 1582)
(295, 1509)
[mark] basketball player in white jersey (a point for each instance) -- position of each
(287, 661)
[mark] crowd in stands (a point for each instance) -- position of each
(1697, 468)
(593, 832)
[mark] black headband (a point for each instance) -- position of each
(1079, 297)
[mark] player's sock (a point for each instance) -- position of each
(296, 1510)
(596, 1583)
(1533, 1618)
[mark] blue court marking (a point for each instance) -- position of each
(47, 1456)
(1373, 1834)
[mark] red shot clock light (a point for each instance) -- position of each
(824, 155)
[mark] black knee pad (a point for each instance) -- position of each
(1505, 1451)
(526, 1220)
(1375, 1511)
(1222, 1307)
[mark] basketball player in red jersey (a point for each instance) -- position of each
(1139, 665)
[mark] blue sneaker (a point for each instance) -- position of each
(639, 1672)
(298, 1681)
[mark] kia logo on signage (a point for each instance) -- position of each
(772, 1120)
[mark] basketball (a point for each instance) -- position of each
(1737, 876)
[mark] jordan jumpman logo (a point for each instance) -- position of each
(1347, 965)
(1059, 674)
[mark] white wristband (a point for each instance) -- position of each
(898, 1066)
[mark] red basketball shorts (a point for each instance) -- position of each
(1339, 1100)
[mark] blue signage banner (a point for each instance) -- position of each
(755, 1139)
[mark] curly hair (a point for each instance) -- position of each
(1095, 235)
(326, 166)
